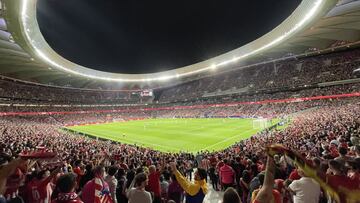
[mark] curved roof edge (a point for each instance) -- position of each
(26, 32)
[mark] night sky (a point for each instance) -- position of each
(144, 36)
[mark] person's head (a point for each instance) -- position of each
(353, 165)
(323, 167)
(141, 180)
(139, 170)
(276, 158)
(301, 172)
(357, 161)
(152, 169)
(113, 170)
(66, 183)
(77, 163)
(226, 161)
(357, 164)
(89, 167)
(43, 174)
(99, 171)
(342, 151)
(357, 150)
(121, 172)
(231, 196)
(335, 167)
(355, 140)
(316, 162)
(131, 166)
(200, 174)
(246, 176)
(161, 178)
(254, 169)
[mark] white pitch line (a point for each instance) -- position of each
(226, 140)
(134, 141)
(172, 148)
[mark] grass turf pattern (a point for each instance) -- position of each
(174, 135)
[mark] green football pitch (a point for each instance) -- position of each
(174, 135)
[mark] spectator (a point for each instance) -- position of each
(305, 190)
(78, 170)
(354, 169)
(342, 158)
(321, 130)
(266, 193)
(130, 175)
(154, 183)
(39, 189)
(164, 186)
(357, 151)
(96, 188)
(245, 184)
(137, 193)
(121, 186)
(112, 182)
(227, 175)
(336, 178)
(5, 171)
(255, 183)
(88, 175)
(213, 178)
(66, 185)
(175, 192)
(231, 196)
(195, 192)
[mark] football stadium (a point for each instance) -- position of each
(179, 101)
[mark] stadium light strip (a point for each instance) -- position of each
(42, 55)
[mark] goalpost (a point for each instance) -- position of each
(261, 123)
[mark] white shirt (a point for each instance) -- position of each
(139, 196)
(112, 182)
(307, 190)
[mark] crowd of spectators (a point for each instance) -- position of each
(55, 107)
(287, 74)
(17, 90)
(240, 110)
(290, 73)
(328, 134)
(41, 162)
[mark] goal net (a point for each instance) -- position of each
(261, 123)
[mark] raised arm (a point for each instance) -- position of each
(7, 170)
(265, 194)
(187, 186)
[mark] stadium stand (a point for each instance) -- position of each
(316, 156)
(20, 91)
(285, 75)
(310, 133)
(324, 130)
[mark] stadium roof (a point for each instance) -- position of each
(314, 27)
